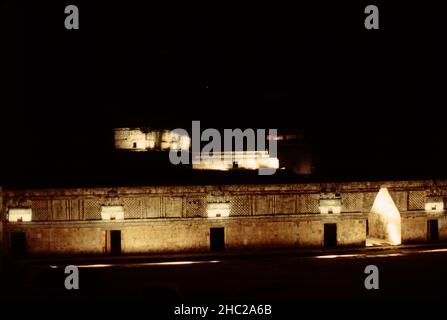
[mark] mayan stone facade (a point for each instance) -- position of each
(175, 218)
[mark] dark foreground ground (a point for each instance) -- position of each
(407, 276)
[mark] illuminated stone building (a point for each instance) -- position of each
(141, 140)
(154, 219)
(250, 160)
(148, 140)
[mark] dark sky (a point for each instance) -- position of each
(368, 101)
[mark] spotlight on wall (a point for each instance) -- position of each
(434, 204)
(330, 203)
(20, 214)
(218, 209)
(112, 212)
(385, 218)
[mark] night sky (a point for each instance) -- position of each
(368, 101)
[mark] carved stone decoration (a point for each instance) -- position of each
(112, 199)
(18, 202)
(330, 203)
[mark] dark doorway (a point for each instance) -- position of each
(115, 242)
(217, 239)
(18, 244)
(432, 230)
(330, 235)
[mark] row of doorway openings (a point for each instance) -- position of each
(217, 241)
(217, 238)
(18, 242)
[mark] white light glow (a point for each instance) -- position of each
(432, 250)
(218, 210)
(176, 263)
(135, 139)
(334, 256)
(387, 218)
(328, 206)
(131, 139)
(20, 215)
(434, 204)
(360, 255)
(139, 264)
(112, 212)
(330, 256)
(389, 255)
(244, 159)
(94, 266)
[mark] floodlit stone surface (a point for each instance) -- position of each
(175, 218)
(384, 219)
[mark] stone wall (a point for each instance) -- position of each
(174, 218)
(442, 228)
(414, 228)
(385, 218)
(186, 235)
(190, 201)
(137, 139)
(351, 232)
